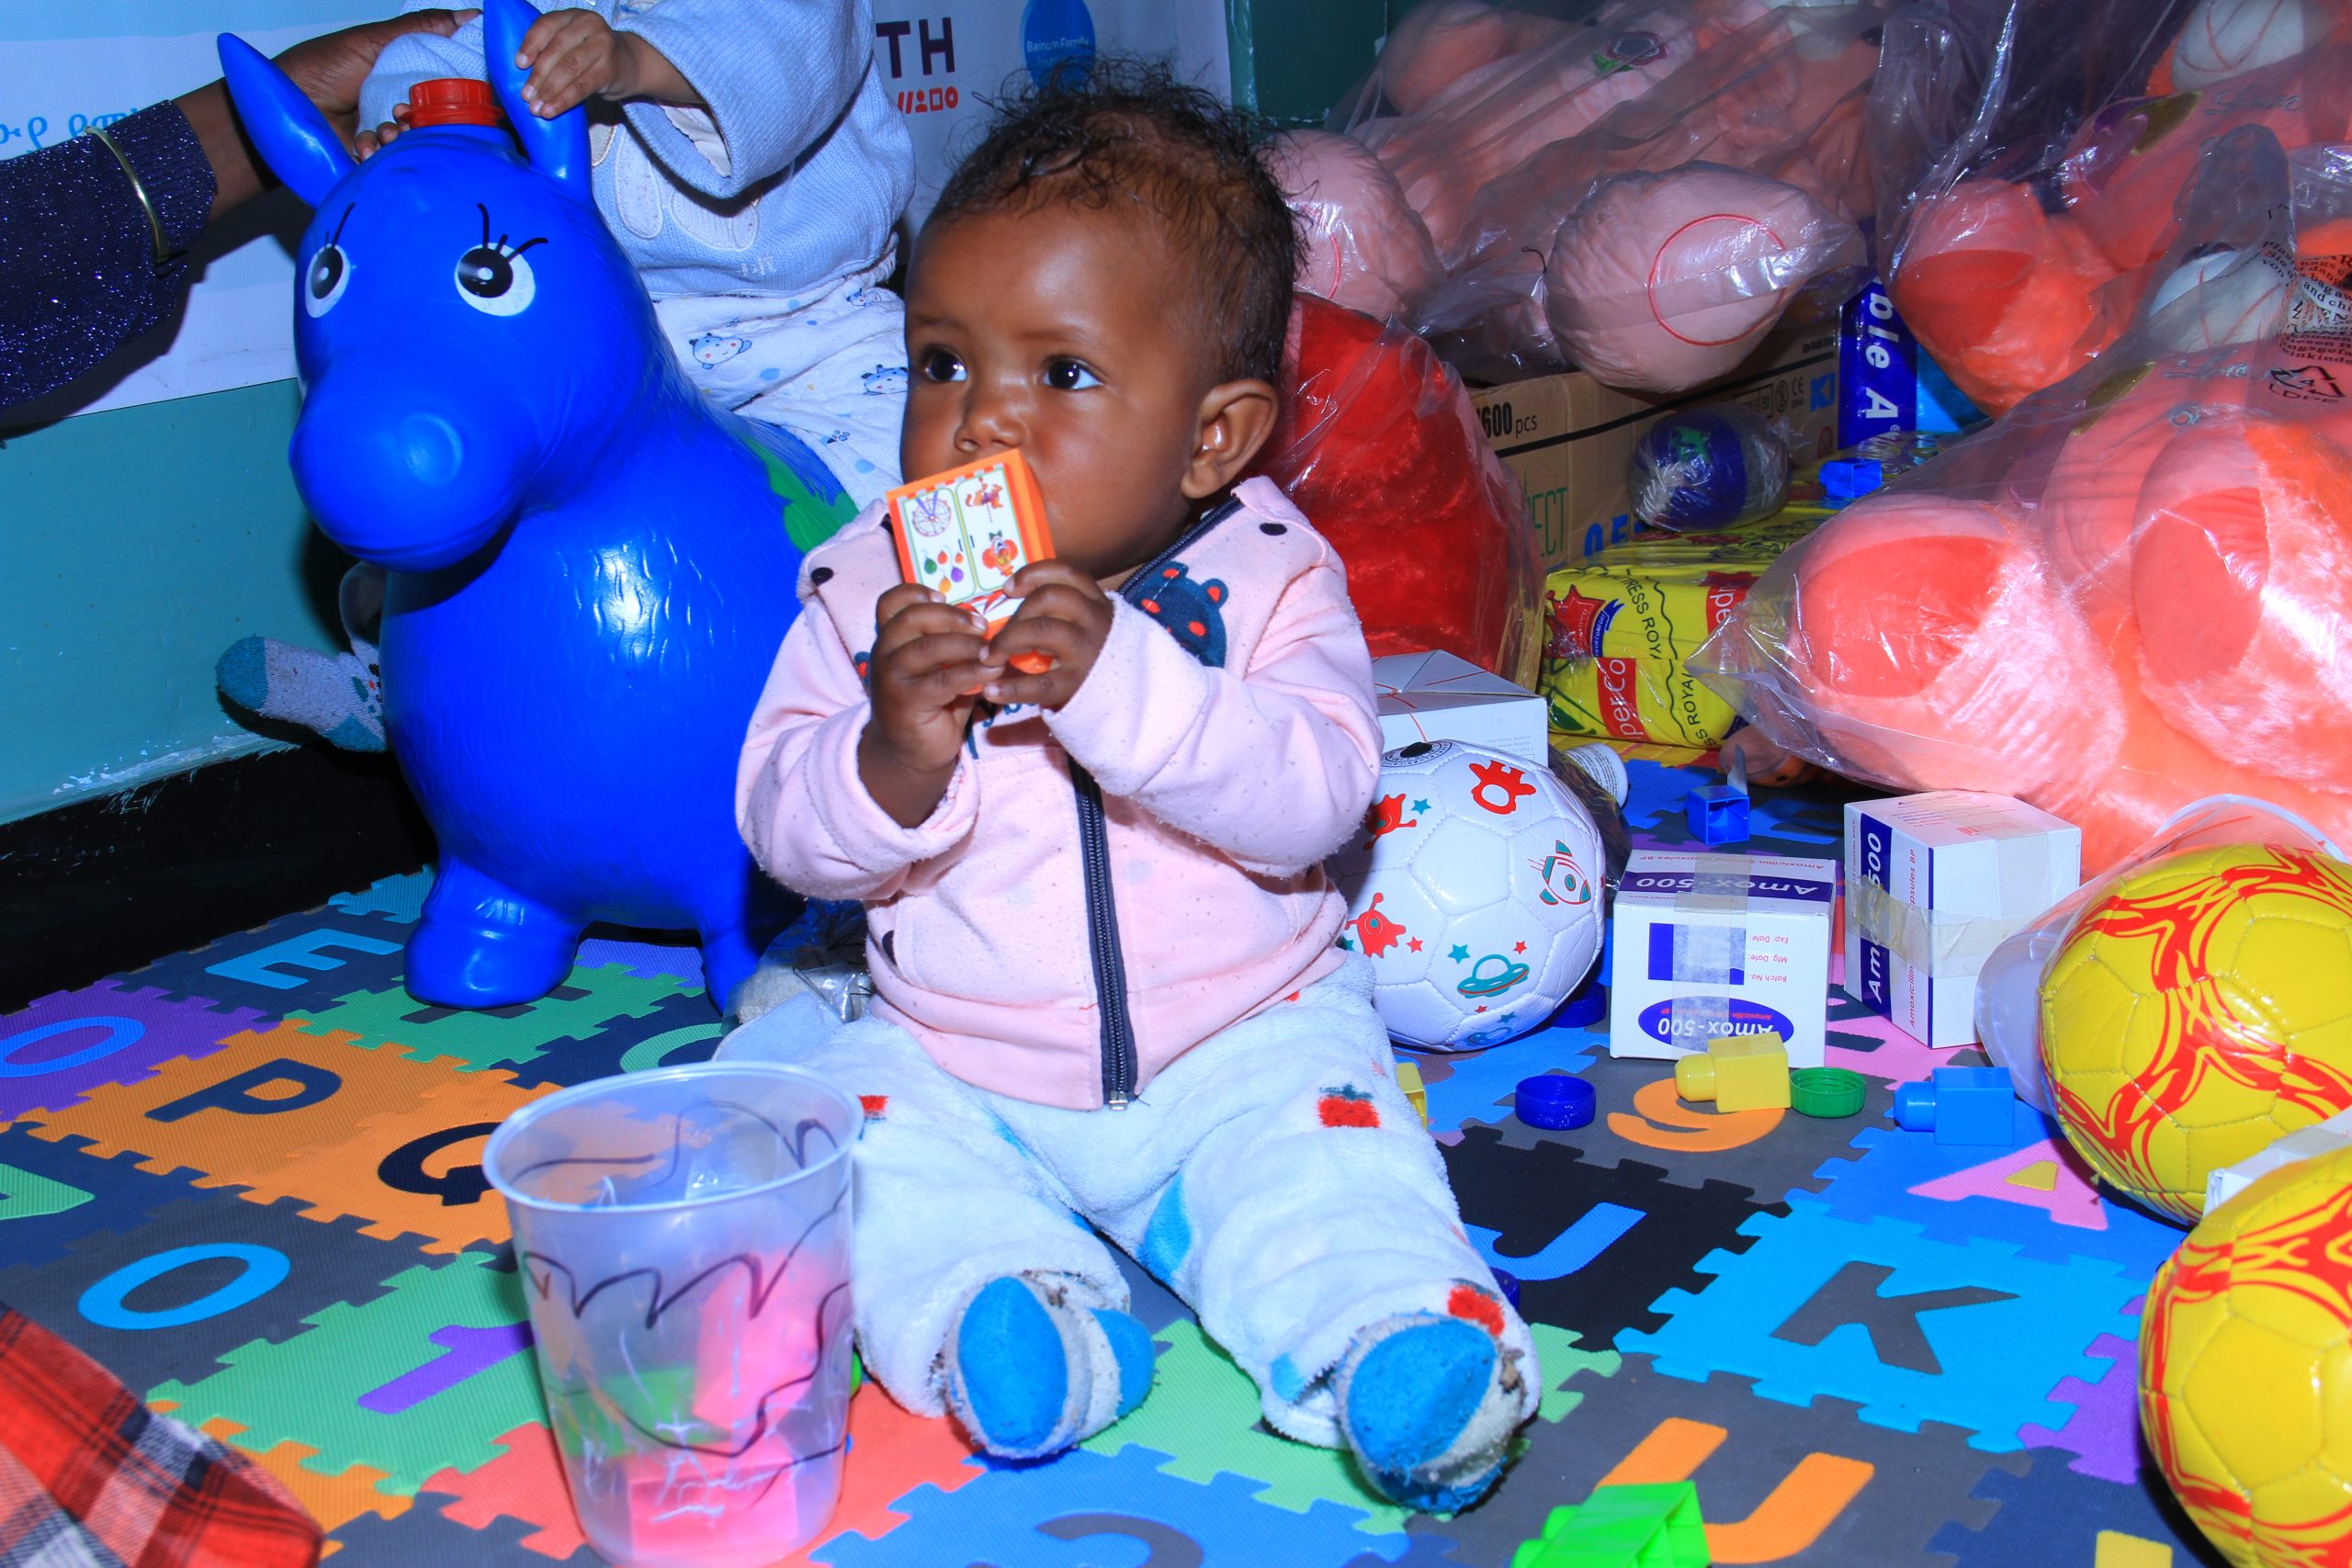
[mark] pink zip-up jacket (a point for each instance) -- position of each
(1103, 888)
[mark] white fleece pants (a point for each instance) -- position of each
(831, 369)
(1275, 1176)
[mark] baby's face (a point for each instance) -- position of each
(1062, 331)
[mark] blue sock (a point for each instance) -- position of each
(1428, 1404)
(1030, 1373)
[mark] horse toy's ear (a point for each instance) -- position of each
(557, 148)
(295, 140)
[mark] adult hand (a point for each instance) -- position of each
(1064, 617)
(329, 68)
(921, 679)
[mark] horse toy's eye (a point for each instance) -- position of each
(330, 273)
(494, 281)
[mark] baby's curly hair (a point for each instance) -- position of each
(1128, 130)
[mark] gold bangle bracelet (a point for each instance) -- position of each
(154, 224)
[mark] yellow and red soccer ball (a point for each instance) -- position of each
(2245, 1370)
(2201, 1008)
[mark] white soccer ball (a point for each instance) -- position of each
(1474, 890)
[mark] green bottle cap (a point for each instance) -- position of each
(1827, 1092)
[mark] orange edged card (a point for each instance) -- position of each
(967, 531)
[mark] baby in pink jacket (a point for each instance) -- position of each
(1106, 989)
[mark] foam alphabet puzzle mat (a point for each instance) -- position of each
(247, 1178)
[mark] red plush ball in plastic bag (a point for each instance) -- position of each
(1379, 446)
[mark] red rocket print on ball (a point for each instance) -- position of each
(1500, 776)
(1375, 932)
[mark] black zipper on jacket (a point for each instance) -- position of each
(1094, 852)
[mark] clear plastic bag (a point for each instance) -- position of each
(2009, 988)
(1362, 246)
(1656, 243)
(2134, 590)
(1714, 467)
(2034, 157)
(1378, 444)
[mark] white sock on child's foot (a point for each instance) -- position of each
(334, 694)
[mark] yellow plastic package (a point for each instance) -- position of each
(1619, 625)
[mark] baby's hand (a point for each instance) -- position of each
(928, 665)
(1064, 617)
(367, 144)
(576, 56)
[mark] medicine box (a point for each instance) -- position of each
(1437, 696)
(1933, 884)
(1711, 947)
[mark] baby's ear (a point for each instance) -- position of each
(1235, 418)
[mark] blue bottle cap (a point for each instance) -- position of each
(1554, 1101)
(1507, 1284)
(1588, 1006)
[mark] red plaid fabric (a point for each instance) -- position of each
(91, 1478)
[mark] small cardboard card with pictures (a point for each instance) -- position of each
(967, 531)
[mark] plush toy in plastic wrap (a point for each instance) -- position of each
(586, 565)
(2133, 591)
(1378, 444)
(1467, 97)
(2035, 157)
(1362, 246)
(1658, 245)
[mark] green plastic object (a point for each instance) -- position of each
(1825, 1092)
(1623, 1527)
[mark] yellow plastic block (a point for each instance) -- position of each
(1748, 1073)
(1408, 1079)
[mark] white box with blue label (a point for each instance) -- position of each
(1933, 884)
(1714, 946)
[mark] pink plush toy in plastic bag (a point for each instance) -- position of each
(1662, 282)
(1364, 248)
(1716, 195)
(2133, 591)
(2034, 157)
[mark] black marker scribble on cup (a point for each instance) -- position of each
(539, 1270)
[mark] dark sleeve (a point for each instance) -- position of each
(77, 256)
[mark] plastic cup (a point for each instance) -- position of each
(683, 1237)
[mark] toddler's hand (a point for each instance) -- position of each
(576, 56)
(927, 668)
(1064, 615)
(367, 144)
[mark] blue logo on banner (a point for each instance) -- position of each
(1693, 1021)
(1057, 36)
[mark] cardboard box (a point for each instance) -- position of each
(1617, 629)
(1437, 696)
(1934, 882)
(1713, 947)
(1569, 439)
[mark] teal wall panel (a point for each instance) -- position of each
(135, 545)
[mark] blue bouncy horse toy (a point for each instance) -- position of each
(590, 570)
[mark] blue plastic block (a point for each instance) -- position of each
(1962, 1105)
(1554, 1101)
(1717, 814)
